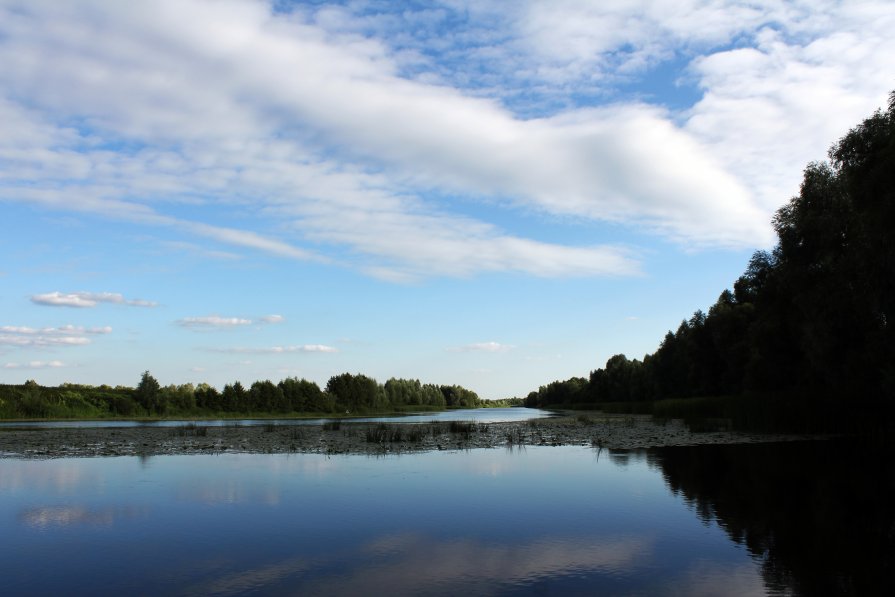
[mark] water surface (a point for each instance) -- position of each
(543, 520)
(481, 415)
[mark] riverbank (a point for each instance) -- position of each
(345, 437)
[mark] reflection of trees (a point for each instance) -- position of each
(819, 516)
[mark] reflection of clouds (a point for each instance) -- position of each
(60, 476)
(212, 492)
(257, 478)
(43, 517)
(391, 544)
(408, 564)
(422, 566)
(624, 458)
(252, 580)
(707, 578)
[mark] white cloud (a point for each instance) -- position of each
(209, 322)
(87, 299)
(194, 249)
(49, 337)
(278, 349)
(52, 331)
(484, 347)
(339, 131)
(35, 365)
(213, 321)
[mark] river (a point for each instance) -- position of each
(776, 519)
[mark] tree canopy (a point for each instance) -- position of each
(345, 393)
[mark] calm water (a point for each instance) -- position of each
(744, 520)
(482, 415)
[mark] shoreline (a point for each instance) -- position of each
(614, 432)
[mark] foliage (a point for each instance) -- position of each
(147, 393)
(292, 396)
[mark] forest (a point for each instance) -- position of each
(802, 340)
(345, 394)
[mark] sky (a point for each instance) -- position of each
(484, 193)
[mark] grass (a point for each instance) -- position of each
(189, 430)
(393, 434)
(466, 427)
(515, 437)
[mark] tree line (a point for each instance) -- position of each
(344, 394)
(806, 327)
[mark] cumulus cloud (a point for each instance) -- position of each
(211, 322)
(48, 337)
(61, 330)
(278, 349)
(35, 365)
(87, 299)
(484, 347)
(353, 143)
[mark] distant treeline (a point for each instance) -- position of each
(805, 333)
(345, 393)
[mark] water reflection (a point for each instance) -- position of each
(43, 517)
(817, 516)
(480, 415)
(18, 475)
(410, 564)
(745, 520)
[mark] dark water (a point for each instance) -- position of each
(808, 518)
(481, 415)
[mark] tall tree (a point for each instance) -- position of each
(147, 393)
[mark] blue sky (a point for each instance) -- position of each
(486, 193)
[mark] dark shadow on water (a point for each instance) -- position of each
(819, 516)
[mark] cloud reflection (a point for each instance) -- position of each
(406, 563)
(706, 578)
(423, 565)
(44, 517)
(62, 476)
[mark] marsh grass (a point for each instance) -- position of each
(466, 427)
(332, 425)
(515, 437)
(189, 430)
(390, 434)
